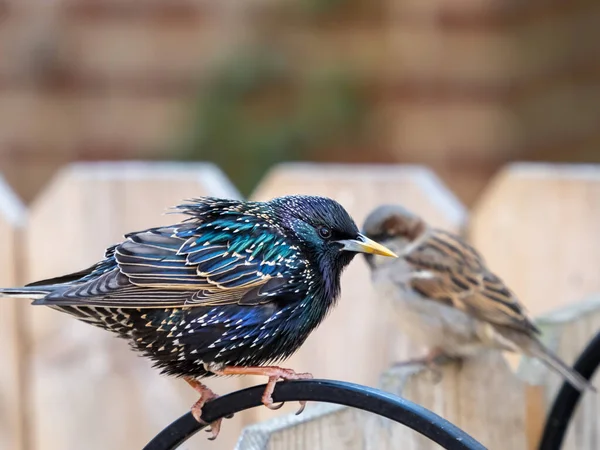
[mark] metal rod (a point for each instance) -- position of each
(368, 399)
(568, 397)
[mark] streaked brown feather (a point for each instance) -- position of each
(452, 272)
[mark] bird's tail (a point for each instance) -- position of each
(554, 362)
(33, 292)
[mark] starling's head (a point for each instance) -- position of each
(393, 225)
(325, 229)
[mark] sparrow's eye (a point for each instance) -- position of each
(325, 232)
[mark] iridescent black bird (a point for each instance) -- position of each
(234, 287)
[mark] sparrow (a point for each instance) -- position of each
(233, 289)
(446, 298)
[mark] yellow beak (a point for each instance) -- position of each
(363, 244)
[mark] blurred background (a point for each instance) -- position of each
(462, 86)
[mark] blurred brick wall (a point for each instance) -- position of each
(86, 79)
(481, 82)
(462, 85)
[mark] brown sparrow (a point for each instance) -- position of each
(445, 296)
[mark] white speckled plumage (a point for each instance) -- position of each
(175, 292)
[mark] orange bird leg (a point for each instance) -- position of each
(274, 373)
(432, 361)
(206, 395)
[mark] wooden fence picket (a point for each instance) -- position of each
(537, 226)
(90, 390)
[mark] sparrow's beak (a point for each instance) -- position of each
(363, 244)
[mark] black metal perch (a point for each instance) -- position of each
(568, 397)
(372, 400)
(368, 399)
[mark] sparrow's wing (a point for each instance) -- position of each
(184, 265)
(450, 271)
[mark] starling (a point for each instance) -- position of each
(233, 288)
(447, 298)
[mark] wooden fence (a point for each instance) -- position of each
(66, 385)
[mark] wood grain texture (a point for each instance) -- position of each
(320, 427)
(537, 227)
(568, 330)
(356, 342)
(90, 390)
(12, 348)
(495, 417)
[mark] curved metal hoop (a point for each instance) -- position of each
(368, 399)
(568, 398)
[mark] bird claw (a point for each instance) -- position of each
(274, 373)
(214, 429)
(206, 395)
(302, 406)
(273, 407)
(197, 413)
(285, 375)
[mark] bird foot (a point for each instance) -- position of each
(206, 395)
(432, 362)
(275, 374)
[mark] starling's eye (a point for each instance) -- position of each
(325, 232)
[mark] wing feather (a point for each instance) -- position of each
(185, 265)
(452, 272)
